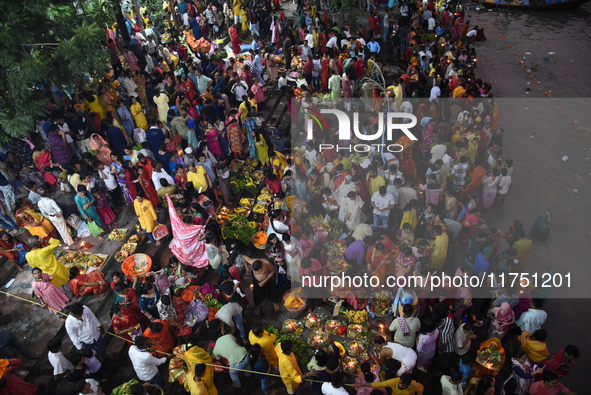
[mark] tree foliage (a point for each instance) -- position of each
(47, 43)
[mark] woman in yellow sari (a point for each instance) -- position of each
(262, 149)
(34, 222)
(93, 104)
(278, 161)
(138, 114)
(193, 357)
(534, 345)
(409, 215)
(243, 19)
(494, 344)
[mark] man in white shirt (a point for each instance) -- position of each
(438, 150)
(332, 44)
(144, 363)
(310, 39)
(435, 93)
(130, 85)
(83, 328)
(335, 386)
(283, 80)
(471, 35)
(240, 89)
(50, 210)
(310, 153)
(382, 202)
(452, 385)
(159, 173)
(503, 186)
(534, 318)
(33, 195)
(459, 172)
(61, 366)
(431, 24)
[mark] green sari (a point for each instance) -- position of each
(541, 229)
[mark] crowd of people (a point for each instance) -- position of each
(160, 132)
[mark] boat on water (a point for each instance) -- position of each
(530, 4)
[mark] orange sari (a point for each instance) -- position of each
(163, 342)
(82, 279)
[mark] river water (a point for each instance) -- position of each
(542, 125)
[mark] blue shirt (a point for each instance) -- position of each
(193, 78)
(480, 264)
(208, 166)
(182, 7)
(261, 365)
(220, 85)
(154, 137)
(116, 139)
(258, 63)
(474, 247)
(439, 30)
(466, 371)
(373, 47)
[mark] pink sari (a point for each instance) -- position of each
(185, 245)
(103, 154)
(403, 265)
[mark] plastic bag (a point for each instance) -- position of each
(83, 231)
(75, 221)
(94, 229)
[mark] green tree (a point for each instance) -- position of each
(47, 43)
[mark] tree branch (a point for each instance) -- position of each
(42, 44)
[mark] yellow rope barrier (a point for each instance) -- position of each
(167, 354)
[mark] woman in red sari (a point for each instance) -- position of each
(146, 185)
(324, 76)
(44, 163)
(127, 299)
(188, 88)
(323, 41)
(7, 243)
(233, 33)
(131, 177)
(124, 324)
(89, 282)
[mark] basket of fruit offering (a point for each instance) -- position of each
(313, 322)
(118, 234)
(357, 348)
(355, 331)
(335, 327)
(380, 304)
(292, 327)
(317, 338)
